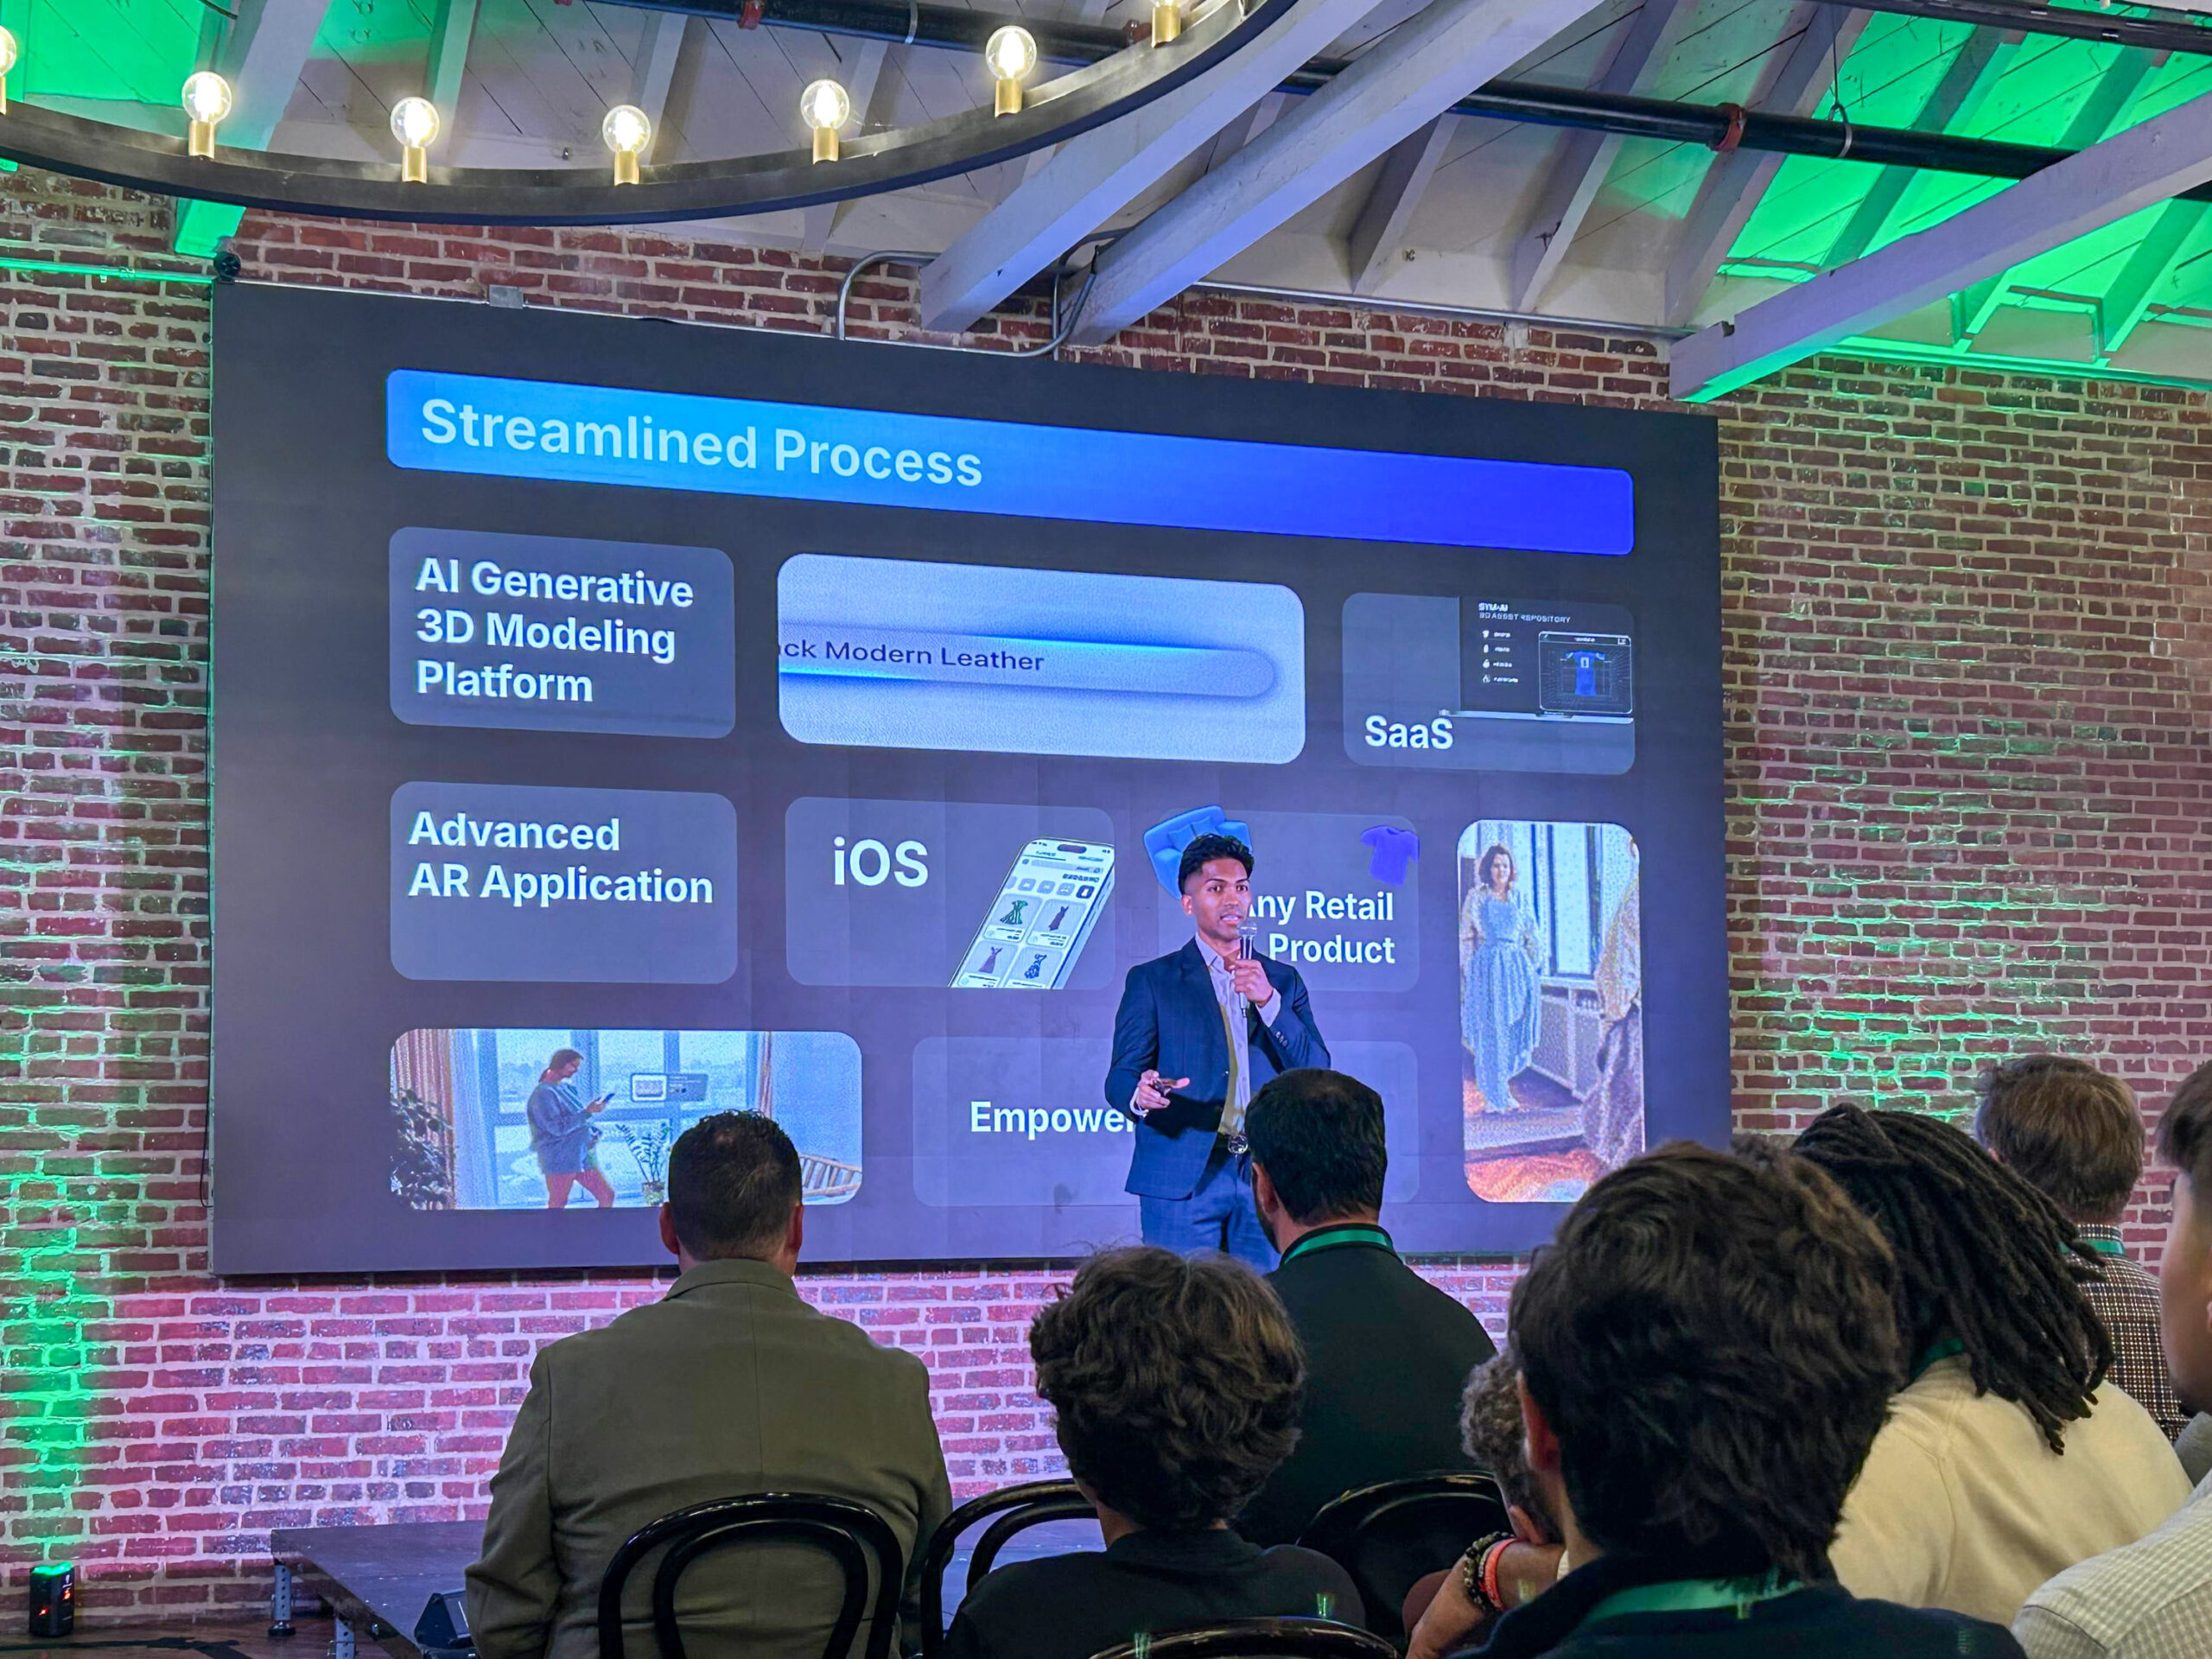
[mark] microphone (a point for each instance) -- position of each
(1248, 947)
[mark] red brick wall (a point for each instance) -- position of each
(1967, 683)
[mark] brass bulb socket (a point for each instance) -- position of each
(626, 167)
(1007, 99)
(4, 95)
(200, 139)
(415, 165)
(1166, 22)
(825, 144)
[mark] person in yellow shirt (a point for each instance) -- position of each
(2007, 1457)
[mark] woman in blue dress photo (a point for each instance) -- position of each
(1501, 951)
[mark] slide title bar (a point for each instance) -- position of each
(734, 446)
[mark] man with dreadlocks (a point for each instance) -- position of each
(2006, 1456)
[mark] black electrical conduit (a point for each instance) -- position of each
(1716, 126)
(1059, 42)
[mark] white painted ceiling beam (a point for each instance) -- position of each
(1967, 80)
(2152, 162)
(1735, 182)
(1581, 160)
(862, 81)
(2128, 301)
(261, 54)
(2103, 112)
(1096, 173)
(1378, 236)
(1412, 75)
(652, 71)
(451, 28)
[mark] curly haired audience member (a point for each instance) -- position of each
(1706, 1356)
(2072, 1132)
(1175, 1386)
(1491, 1430)
(2006, 1456)
(2152, 1600)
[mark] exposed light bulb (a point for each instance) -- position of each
(206, 100)
(206, 96)
(10, 49)
(415, 124)
(628, 130)
(825, 106)
(1010, 54)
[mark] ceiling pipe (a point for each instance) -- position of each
(1061, 43)
(1715, 126)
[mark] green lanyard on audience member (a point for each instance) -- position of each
(1350, 1233)
(2106, 1246)
(1692, 1596)
(1934, 1353)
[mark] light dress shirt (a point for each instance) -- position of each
(2150, 1599)
(1240, 1036)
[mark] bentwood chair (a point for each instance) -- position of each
(1018, 1508)
(849, 1534)
(1390, 1535)
(1258, 1638)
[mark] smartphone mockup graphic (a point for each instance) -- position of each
(1041, 919)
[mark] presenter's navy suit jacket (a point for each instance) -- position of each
(1169, 1023)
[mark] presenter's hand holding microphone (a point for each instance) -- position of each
(1244, 969)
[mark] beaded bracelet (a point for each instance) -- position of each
(1491, 1557)
(1478, 1573)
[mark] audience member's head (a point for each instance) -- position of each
(1317, 1150)
(1706, 1353)
(2068, 1130)
(1175, 1384)
(1983, 1258)
(2185, 1275)
(734, 1190)
(1761, 1151)
(1491, 1432)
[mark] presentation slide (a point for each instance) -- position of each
(618, 724)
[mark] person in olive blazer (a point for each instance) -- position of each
(1387, 1353)
(728, 1385)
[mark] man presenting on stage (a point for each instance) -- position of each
(1200, 1030)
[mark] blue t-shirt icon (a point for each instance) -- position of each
(1394, 849)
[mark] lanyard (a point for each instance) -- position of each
(1330, 1238)
(1692, 1595)
(1947, 1349)
(2106, 1246)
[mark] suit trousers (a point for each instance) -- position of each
(1219, 1215)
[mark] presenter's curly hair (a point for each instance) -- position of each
(1176, 1385)
(1714, 1344)
(1982, 1257)
(1203, 850)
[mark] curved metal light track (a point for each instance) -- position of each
(869, 165)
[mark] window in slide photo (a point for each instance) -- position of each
(1551, 1007)
(510, 1119)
